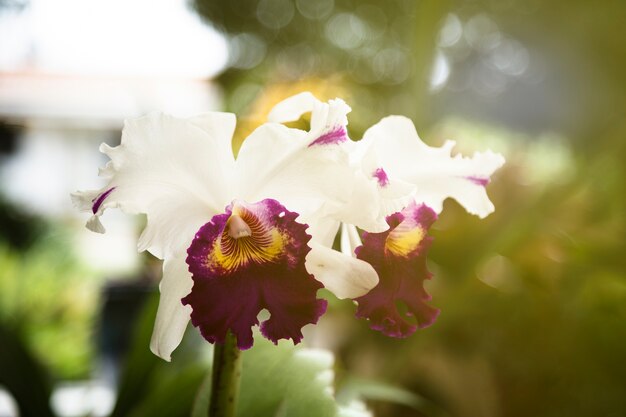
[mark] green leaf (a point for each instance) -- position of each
(281, 381)
(172, 395)
(152, 387)
(140, 364)
(355, 389)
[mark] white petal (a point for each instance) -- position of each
(219, 126)
(363, 206)
(309, 172)
(324, 116)
(276, 162)
(350, 239)
(370, 202)
(436, 174)
(328, 116)
(178, 172)
(95, 225)
(292, 108)
(343, 275)
(172, 316)
(83, 200)
(322, 228)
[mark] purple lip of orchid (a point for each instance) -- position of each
(399, 257)
(248, 259)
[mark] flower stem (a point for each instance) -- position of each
(225, 378)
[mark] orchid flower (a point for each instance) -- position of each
(368, 202)
(392, 152)
(239, 235)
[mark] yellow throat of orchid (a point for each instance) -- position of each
(246, 240)
(405, 238)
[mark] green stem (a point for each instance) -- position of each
(225, 378)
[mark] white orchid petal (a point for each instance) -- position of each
(95, 225)
(277, 162)
(172, 316)
(88, 201)
(324, 116)
(350, 239)
(394, 193)
(221, 127)
(265, 156)
(436, 174)
(327, 118)
(371, 200)
(178, 172)
(395, 196)
(323, 229)
(83, 200)
(312, 171)
(363, 206)
(341, 274)
(292, 108)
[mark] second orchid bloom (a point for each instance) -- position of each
(239, 235)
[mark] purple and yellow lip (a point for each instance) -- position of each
(245, 239)
(399, 257)
(405, 238)
(248, 259)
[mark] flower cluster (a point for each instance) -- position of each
(240, 235)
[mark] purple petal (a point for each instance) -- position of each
(236, 278)
(399, 257)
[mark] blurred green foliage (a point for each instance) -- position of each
(46, 296)
(22, 373)
(149, 386)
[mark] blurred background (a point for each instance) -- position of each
(533, 298)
